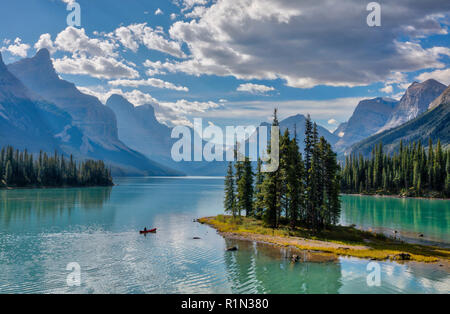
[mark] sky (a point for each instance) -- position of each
(232, 62)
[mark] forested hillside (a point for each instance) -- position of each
(21, 169)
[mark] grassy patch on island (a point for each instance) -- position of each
(345, 241)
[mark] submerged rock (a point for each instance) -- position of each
(233, 248)
(402, 257)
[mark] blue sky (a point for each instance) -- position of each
(233, 62)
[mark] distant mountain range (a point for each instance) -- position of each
(369, 116)
(298, 122)
(434, 124)
(41, 111)
(416, 101)
(139, 129)
(379, 115)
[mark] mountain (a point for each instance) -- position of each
(298, 122)
(369, 116)
(139, 128)
(416, 101)
(89, 129)
(26, 121)
(434, 123)
(94, 119)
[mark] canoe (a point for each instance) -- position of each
(147, 231)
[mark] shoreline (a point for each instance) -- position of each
(9, 188)
(399, 196)
(370, 246)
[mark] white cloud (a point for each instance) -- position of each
(308, 43)
(76, 41)
(388, 89)
(149, 82)
(442, 76)
(45, 42)
(133, 35)
(332, 122)
(98, 67)
(197, 12)
(254, 88)
(189, 4)
(158, 67)
(17, 48)
(173, 16)
(159, 12)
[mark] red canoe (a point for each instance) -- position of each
(147, 231)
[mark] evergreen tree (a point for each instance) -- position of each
(247, 186)
(230, 198)
(272, 188)
(240, 187)
(410, 171)
(295, 177)
(258, 203)
(19, 169)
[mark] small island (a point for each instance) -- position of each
(298, 205)
(337, 240)
(21, 169)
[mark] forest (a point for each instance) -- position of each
(304, 190)
(22, 169)
(415, 170)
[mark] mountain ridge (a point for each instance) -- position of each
(415, 101)
(434, 124)
(90, 128)
(368, 117)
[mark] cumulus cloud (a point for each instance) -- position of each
(196, 12)
(45, 42)
(149, 82)
(134, 35)
(76, 41)
(254, 88)
(17, 48)
(189, 4)
(388, 89)
(159, 12)
(310, 43)
(95, 57)
(175, 113)
(98, 67)
(442, 76)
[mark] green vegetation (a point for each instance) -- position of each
(19, 169)
(300, 192)
(413, 171)
(298, 205)
(346, 241)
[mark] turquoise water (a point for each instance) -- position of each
(41, 231)
(417, 220)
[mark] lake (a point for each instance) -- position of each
(42, 231)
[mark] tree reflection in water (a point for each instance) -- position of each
(23, 204)
(262, 268)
